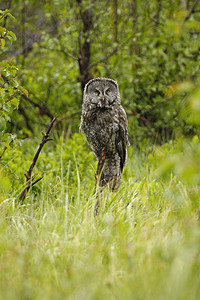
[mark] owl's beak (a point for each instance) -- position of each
(102, 104)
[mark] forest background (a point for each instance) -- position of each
(146, 238)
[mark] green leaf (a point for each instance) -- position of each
(7, 144)
(3, 42)
(25, 91)
(9, 14)
(4, 64)
(10, 33)
(2, 93)
(15, 102)
(2, 30)
(5, 136)
(10, 38)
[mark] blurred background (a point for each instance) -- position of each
(151, 48)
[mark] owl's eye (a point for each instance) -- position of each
(97, 92)
(107, 91)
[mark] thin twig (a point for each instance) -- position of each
(61, 51)
(111, 53)
(29, 179)
(192, 10)
(36, 180)
(145, 121)
(69, 116)
(39, 105)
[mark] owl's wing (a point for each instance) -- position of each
(122, 137)
(121, 146)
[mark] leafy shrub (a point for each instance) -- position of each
(67, 165)
(10, 89)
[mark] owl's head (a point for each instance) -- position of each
(102, 93)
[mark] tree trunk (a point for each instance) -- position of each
(84, 43)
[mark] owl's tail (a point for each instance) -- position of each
(111, 174)
(113, 182)
(108, 174)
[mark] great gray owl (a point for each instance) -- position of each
(104, 123)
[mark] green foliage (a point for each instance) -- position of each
(181, 157)
(157, 47)
(4, 33)
(144, 243)
(4, 185)
(70, 161)
(10, 89)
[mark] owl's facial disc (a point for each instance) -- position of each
(102, 93)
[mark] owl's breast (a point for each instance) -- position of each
(100, 131)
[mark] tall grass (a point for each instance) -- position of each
(144, 243)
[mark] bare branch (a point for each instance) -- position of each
(42, 107)
(29, 179)
(145, 121)
(69, 116)
(192, 10)
(37, 180)
(61, 51)
(115, 50)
